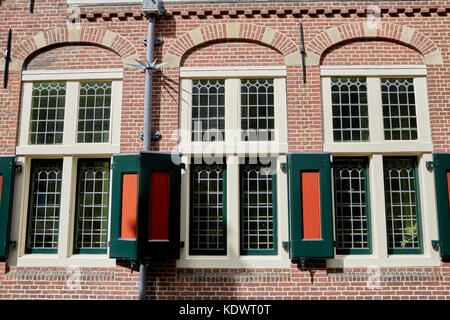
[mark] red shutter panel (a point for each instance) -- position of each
(442, 182)
(310, 208)
(124, 197)
(159, 206)
(7, 165)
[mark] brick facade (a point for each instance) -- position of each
(259, 34)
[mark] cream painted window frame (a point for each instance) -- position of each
(69, 151)
(233, 150)
(374, 150)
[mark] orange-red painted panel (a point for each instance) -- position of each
(129, 205)
(311, 205)
(159, 206)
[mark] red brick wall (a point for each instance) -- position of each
(74, 57)
(232, 54)
(429, 18)
(371, 52)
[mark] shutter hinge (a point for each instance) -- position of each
(283, 166)
(18, 166)
(13, 243)
(335, 244)
(285, 245)
(183, 166)
(435, 243)
(181, 244)
(430, 165)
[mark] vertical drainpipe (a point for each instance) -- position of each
(147, 129)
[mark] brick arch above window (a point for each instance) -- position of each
(245, 32)
(401, 34)
(85, 35)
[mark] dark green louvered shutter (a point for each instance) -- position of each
(442, 181)
(124, 204)
(7, 165)
(159, 206)
(310, 206)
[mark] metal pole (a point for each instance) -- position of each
(148, 84)
(147, 129)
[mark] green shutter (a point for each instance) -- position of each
(310, 205)
(7, 165)
(159, 206)
(121, 247)
(442, 179)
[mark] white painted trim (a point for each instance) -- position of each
(71, 74)
(373, 70)
(388, 147)
(78, 149)
(81, 260)
(101, 2)
(233, 72)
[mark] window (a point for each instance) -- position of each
(233, 133)
(44, 206)
(377, 129)
(208, 209)
(351, 205)
(402, 216)
(69, 129)
(258, 209)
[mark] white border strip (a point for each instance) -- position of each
(374, 70)
(82, 74)
(232, 72)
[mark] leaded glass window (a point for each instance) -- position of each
(349, 109)
(44, 206)
(92, 204)
(257, 210)
(257, 109)
(399, 109)
(47, 112)
(351, 205)
(208, 110)
(94, 112)
(402, 213)
(207, 227)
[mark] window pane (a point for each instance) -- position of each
(45, 198)
(401, 206)
(349, 109)
(257, 211)
(399, 109)
(92, 203)
(208, 110)
(94, 112)
(47, 112)
(257, 109)
(350, 204)
(207, 211)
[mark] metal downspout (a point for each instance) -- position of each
(147, 128)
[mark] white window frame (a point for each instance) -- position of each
(374, 150)
(232, 148)
(69, 152)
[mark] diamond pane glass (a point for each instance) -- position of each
(349, 109)
(45, 198)
(399, 109)
(208, 110)
(401, 206)
(47, 113)
(350, 204)
(257, 218)
(207, 211)
(257, 109)
(92, 203)
(94, 112)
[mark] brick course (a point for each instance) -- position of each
(412, 32)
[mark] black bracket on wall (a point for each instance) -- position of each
(303, 52)
(7, 57)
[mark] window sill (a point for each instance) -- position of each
(241, 148)
(400, 260)
(81, 260)
(88, 149)
(243, 262)
(384, 147)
